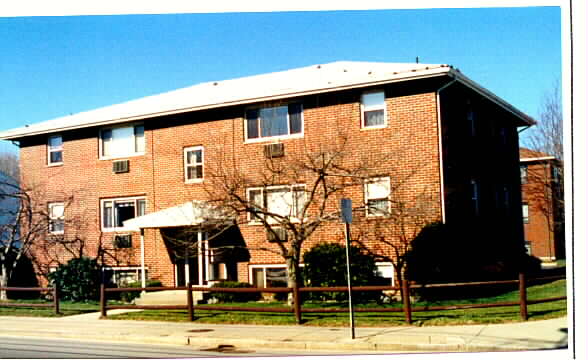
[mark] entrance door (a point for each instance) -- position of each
(187, 271)
(193, 268)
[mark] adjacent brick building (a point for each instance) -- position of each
(439, 135)
(542, 196)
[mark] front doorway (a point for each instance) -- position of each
(203, 259)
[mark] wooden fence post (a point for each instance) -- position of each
(190, 303)
(102, 301)
(406, 301)
(296, 304)
(56, 299)
(523, 296)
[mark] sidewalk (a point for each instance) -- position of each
(531, 335)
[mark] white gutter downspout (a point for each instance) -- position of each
(143, 277)
(439, 133)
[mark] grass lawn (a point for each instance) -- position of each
(66, 308)
(447, 317)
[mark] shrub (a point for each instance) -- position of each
(129, 296)
(234, 297)
(78, 280)
(326, 265)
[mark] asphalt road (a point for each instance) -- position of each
(33, 348)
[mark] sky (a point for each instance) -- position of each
(56, 66)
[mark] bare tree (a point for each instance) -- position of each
(547, 136)
(390, 237)
(23, 223)
(545, 180)
(9, 165)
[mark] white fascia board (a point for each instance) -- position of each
(69, 123)
(537, 158)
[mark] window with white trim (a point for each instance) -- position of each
(475, 193)
(524, 170)
(373, 109)
(283, 201)
(194, 164)
(525, 213)
(122, 141)
(55, 150)
(275, 121)
(116, 211)
(377, 196)
(56, 218)
(268, 275)
(385, 270)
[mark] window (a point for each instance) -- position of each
(269, 275)
(122, 141)
(475, 190)
(116, 211)
(55, 150)
(385, 270)
(373, 109)
(56, 218)
(193, 164)
(525, 213)
(377, 192)
(524, 173)
(283, 201)
(273, 121)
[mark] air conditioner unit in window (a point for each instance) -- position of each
(120, 166)
(278, 234)
(123, 241)
(273, 150)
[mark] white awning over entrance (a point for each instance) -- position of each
(192, 213)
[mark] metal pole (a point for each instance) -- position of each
(351, 320)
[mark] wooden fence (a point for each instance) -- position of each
(297, 309)
(54, 291)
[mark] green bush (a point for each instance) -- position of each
(129, 296)
(224, 297)
(326, 265)
(78, 280)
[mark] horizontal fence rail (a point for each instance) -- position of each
(296, 308)
(54, 291)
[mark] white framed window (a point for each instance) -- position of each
(475, 193)
(56, 217)
(377, 196)
(122, 141)
(525, 213)
(194, 164)
(385, 270)
(524, 170)
(55, 150)
(268, 275)
(282, 200)
(273, 122)
(373, 109)
(115, 211)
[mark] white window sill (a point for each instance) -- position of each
(55, 164)
(374, 127)
(274, 138)
(118, 157)
(119, 231)
(194, 181)
(56, 232)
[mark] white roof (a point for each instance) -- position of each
(191, 213)
(296, 82)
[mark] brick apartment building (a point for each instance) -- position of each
(150, 160)
(542, 196)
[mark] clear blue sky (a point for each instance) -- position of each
(54, 66)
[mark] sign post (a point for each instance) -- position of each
(346, 217)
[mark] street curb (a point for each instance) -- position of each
(251, 344)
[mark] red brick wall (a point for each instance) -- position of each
(409, 145)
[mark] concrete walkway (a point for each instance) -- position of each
(531, 335)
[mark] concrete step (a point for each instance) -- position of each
(169, 297)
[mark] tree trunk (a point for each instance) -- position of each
(3, 282)
(292, 262)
